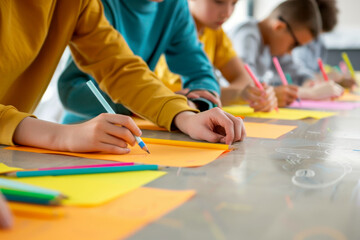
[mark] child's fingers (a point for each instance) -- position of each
(219, 117)
(208, 96)
(116, 141)
(120, 133)
(113, 149)
(192, 95)
(122, 120)
(239, 128)
(6, 219)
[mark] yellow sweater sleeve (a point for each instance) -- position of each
(10, 118)
(224, 49)
(101, 51)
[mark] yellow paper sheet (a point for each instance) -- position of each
(115, 220)
(284, 113)
(165, 155)
(255, 130)
(93, 189)
(5, 169)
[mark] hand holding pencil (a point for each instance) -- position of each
(262, 87)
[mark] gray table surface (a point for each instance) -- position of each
(304, 185)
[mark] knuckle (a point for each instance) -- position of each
(102, 116)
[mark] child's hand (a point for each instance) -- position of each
(321, 91)
(286, 94)
(347, 82)
(261, 101)
(6, 219)
(213, 125)
(344, 80)
(110, 133)
(215, 98)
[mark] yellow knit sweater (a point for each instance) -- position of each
(33, 36)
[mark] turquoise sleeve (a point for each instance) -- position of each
(79, 102)
(185, 55)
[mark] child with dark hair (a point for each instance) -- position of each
(305, 58)
(291, 24)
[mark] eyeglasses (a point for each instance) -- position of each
(296, 41)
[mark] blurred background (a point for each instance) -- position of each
(345, 37)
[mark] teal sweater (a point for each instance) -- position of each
(150, 29)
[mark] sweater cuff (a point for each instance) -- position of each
(9, 120)
(169, 111)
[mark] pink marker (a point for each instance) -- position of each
(88, 166)
(280, 71)
(256, 81)
(343, 67)
(322, 69)
(252, 75)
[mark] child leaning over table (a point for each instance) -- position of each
(30, 53)
(291, 24)
(209, 15)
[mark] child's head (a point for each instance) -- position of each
(291, 24)
(211, 13)
(329, 14)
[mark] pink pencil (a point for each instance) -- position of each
(321, 65)
(252, 75)
(280, 71)
(256, 81)
(89, 166)
(343, 67)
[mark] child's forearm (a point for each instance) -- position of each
(39, 133)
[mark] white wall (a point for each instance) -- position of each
(348, 15)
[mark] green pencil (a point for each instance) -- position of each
(29, 194)
(16, 198)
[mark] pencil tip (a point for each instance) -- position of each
(148, 151)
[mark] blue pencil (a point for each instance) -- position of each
(9, 184)
(75, 171)
(108, 108)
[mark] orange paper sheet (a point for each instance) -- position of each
(166, 155)
(115, 220)
(349, 97)
(265, 130)
(254, 130)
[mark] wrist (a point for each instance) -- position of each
(181, 119)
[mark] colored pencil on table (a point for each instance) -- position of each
(348, 64)
(6, 219)
(108, 108)
(87, 166)
(34, 200)
(10, 184)
(20, 193)
(35, 211)
(76, 171)
(256, 81)
(322, 69)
